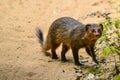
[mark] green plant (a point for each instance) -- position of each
(111, 36)
(111, 40)
(116, 77)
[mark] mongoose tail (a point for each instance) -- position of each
(39, 34)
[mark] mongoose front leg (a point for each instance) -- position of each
(91, 52)
(93, 55)
(75, 56)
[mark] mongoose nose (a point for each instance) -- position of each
(97, 35)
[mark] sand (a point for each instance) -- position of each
(20, 52)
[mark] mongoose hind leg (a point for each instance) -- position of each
(63, 52)
(53, 50)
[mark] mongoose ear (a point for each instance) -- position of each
(101, 25)
(87, 26)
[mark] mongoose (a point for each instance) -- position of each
(72, 34)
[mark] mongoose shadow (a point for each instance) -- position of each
(72, 34)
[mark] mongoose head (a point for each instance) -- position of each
(93, 31)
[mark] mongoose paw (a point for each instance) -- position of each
(64, 60)
(96, 62)
(54, 57)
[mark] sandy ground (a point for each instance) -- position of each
(20, 53)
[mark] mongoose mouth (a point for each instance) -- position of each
(93, 40)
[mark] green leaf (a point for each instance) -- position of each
(110, 27)
(101, 39)
(118, 63)
(106, 26)
(116, 77)
(117, 23)
(106, 50)
(112, 47)
(118, 51)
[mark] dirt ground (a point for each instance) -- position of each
(20, 53)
